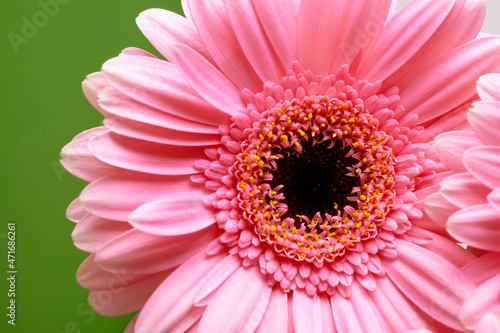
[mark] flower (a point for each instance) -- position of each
(271, 175)
(467, 203)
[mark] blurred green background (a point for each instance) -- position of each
(43, 108)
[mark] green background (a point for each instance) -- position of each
(43, 108)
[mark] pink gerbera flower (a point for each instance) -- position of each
(468, 201)
(270, 176)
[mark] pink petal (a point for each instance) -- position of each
(449, 81)
(455, 120)
(477, 226)
(490, 323)
(153, 133)
(213, 25)
(159, 84)
(80, 162)
(215, 88)
(486, 298)
(480, 159)
(356, 314)
(408, 31)
(275, 317)
(232, 307)
(131, 325)
(114, 197)
(170, 308)
(164, 28)
(177, 215)
(92, 232)
(450, 146)
(435, 285)
(134, 51)
(127, 299)
(488, 87)
(483, 268)
(484, 118)
(306, 312)
(494, 199)
(326, 314)
(317, 34)
(278, 19)
(91, 87)
(439, 209)
(450, 251)
(143, 156)
(75, 211)
(464, 190)
(253, 40)
(135, 252)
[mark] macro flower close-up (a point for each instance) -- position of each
(271, 174)
(467, 203)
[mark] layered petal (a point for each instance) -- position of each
(484, 118)
(464, 190)
(485, 299)
(479, 159)
(451, 145)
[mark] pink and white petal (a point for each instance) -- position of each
(409, 30)
(477, 226)
(358, 313)
(449, 81)
(484, 164)
(490, 323)
(134, 51)
(464, 190)
(120, 105)
(144, 156)
(450, 146)
(307, 312)
(399, 313)
(275, 317)
(439, 209)
(114, 197)
(363, 18)
(135, 252)
(127, 299)
(181, 214)
(317, 34)
(153, 133)
(464, 19)
(486, 298)
(484, 117)
(207, 80)
(160, 84)
(278, 19)
(450, 251)
(213, 25)
(91, 87)
(91, 276)
(171, 307)
(232, 307)
(488, 87)
(483, 268)
(432, 283)
(93, 232)
(164, 28)
(253, 40)
(75, 212)
(90, 133)
(80, 162)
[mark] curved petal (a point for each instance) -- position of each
(207, 80)
(170, 308)
(135, 252)
(464, 190)
(275, 317)
(307, 313)
(238, 304)
(114, 197)
(450, 251)
(486, 298)
(477, 226)
(484, 118)
(480, 159)
(450, 146)
(317, 34)
(488, 87)
(91, 87)
(494, 199)
(456, 120)
(490, 323)
(431, 282)
(439, 209)
(181, 214)
(213, 25)
(92, 232)
(159, 84)
(483, 268)
(134, 51)
(164, 28)
(75, 212)
(144, 156)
